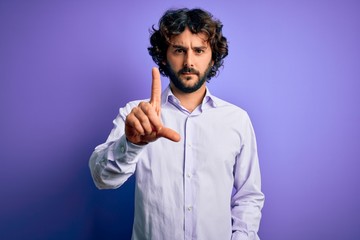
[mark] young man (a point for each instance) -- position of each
(194, 155)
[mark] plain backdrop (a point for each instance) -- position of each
(67, 66)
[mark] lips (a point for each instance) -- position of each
(188, 76)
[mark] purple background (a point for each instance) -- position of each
(67, 66)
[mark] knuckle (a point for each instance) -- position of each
(133, 113)
(141, 116)
(145, 107)
(129, 118)
(143, 119)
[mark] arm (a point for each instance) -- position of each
(113, 162)
(247, 200)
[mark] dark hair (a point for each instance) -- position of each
(174, 22)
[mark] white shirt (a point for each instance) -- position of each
(205, 187)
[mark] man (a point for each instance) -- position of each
(194, 155)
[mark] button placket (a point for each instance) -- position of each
(188, 186)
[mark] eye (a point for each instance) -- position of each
(199, 51)
(179, 50)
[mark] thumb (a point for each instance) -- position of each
(169, 134)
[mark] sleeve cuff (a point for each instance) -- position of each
(239, 236)
(125, 150)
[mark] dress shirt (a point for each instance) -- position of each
(205, 187)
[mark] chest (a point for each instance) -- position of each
(209, 143)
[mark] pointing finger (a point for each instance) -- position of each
(156, 90)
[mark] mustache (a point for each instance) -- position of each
(188, 70)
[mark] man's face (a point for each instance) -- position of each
(189, 61)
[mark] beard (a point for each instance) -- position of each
(175, 78)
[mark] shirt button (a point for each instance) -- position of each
(122, 149)
(189, 208)
(188, 175)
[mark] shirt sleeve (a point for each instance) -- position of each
(114, 161)
(247, 199)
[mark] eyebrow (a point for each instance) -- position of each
(178, 46)
(185, 48)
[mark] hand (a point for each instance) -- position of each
(143, 124)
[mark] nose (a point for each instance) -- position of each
(188, 61)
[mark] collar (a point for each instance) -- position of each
(209, 101)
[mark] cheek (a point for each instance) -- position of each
(176, 63)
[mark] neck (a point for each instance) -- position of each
(189, 100)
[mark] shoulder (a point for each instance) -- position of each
(229, 107)
(231, 115)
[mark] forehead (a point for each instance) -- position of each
(188, 38)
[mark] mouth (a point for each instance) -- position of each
(187, 73)
(188, 76)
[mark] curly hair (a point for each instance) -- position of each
(174, 22)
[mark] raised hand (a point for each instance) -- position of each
(143, 124)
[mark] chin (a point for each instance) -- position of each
(190, 83)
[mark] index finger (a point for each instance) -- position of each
(156, 90)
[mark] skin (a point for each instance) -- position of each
(192, 51)
(143, 124)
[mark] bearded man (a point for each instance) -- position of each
(194, 155)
